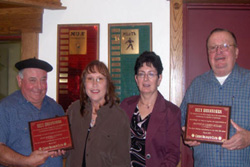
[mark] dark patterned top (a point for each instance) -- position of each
(138, 129)
(84, 152)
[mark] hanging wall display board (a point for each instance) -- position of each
(77, 46)
(126, 43)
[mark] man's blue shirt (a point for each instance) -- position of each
(235, 92)
(15, 114)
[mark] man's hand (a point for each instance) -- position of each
(240, 140)
(37, 158)
(58, 153)
(9, 157)
(190, 143)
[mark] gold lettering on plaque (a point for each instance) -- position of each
(116, 59)
(115, 42)
(64, 58)
(116, 48)
(116, 37)
(64, 30)
(130, 41)
(116, 64)
(63, 80)
(64, 47)
(64, 36)
(64, 64)
(64, 42)
(116, 75)
(64, 53)
(78, 42)
(64, 69)
(63, 75)
(115, 54)
(116, 70)
(116, 30)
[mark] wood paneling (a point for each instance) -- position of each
(30, 43)
(24, 18)
(18, 20)
(176, 58)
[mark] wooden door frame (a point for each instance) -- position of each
(176, 85)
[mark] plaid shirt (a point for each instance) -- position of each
(235, 92)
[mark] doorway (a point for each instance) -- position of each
(10, 53)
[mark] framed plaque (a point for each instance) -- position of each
(51, 134)
(207, 123)
(77, 46)
(126, 43)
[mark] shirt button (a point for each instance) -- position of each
(148, 156)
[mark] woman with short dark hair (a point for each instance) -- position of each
(155, 122)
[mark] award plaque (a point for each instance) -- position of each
(51, 134)
(126, 42)
(77, 45)
(207, 123)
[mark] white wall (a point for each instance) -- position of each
(104, 12)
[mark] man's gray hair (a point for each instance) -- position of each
(20, 73)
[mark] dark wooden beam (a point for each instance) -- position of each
(17, 20)
(46, 4)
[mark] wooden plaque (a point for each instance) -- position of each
(51, 134)
(78, 45)
(207, 123)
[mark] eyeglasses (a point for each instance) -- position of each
(223, 47)
(97, 80)
(150, 75)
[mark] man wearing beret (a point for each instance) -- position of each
(30, 103)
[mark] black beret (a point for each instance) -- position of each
(34, 63)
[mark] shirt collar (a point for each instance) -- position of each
(234, 75)
(23, 100)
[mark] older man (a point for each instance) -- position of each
(225, 84)
(30, 103)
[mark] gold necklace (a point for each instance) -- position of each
(147, 105)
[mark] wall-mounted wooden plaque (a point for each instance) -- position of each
(126, 43)
(77, 46)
